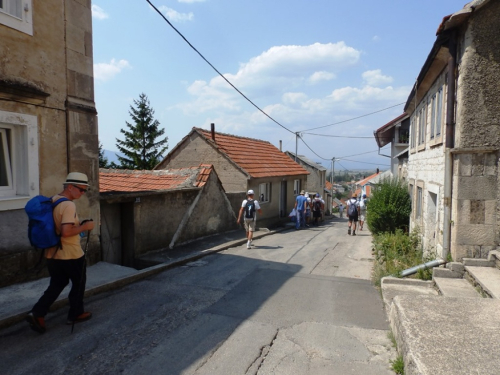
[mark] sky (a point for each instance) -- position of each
(324, 69)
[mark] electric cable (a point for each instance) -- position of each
(213, 67)
(354, 118)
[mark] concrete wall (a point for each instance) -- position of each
(49, 75)
(194, 150)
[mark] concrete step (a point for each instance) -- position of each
(450, 287)
(488, 278)
(392, 287)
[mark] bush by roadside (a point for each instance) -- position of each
(389, 207)
(396, 252)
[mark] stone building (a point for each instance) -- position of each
(455, 135)
(48, 123)
(143, 211)
(243, 163)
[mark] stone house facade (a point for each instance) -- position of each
(48, 123)
(243, 163)
(455, 135)
(316, 179)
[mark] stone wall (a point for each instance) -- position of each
(49, 75)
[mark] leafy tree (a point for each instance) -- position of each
(141, 147)
(103, 160)
(389, 207)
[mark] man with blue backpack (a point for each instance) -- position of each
(352, 213)
(66, 259)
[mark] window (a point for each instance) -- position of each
(410, 190)
(419, 202)
(296, 187)
(413, 132)
(264, 192)
(421, 126)
(436, 113)
(17, 14)
(19, 178)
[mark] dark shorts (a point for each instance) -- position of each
(316, 213)
(353, 218)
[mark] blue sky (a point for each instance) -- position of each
(306, 64)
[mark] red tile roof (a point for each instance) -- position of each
(364, 181)
(257, 158)
(128, 181)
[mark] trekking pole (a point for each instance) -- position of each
(83, 270)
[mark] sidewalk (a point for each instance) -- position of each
(17, 300)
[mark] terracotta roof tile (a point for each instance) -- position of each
(128, 181)
(257, 158)
(364, 181)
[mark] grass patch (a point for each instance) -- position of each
(396, 252)
(398, 365)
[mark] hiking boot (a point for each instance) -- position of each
(80, 318)
(349, 231)
(37, 323)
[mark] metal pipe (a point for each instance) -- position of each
(424, 266)
(449, 144)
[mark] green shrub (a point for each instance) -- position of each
(396, 252)
(389, 207)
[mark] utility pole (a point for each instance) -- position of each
(296, 144)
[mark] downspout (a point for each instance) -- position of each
(449, 145)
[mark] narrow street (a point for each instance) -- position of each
(298, 302)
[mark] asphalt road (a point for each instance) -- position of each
(299, 302)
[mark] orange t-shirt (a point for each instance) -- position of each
(65, 213)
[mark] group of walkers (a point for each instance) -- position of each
(304, 205)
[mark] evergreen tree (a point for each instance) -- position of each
(141, 148)
(103, 160)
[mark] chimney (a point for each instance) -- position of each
(377, 168)
(280, 144)
(212, 129)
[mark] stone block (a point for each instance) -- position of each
(477, 164)
(475, 262)
(464, 164)
(490, 209)
(445, 273)
(474, 234)
(75, 39)
(490, 164)
(80, 63)
(79, 15)
(462, 211)
(477, 212)
(474, 187)
(456, 267)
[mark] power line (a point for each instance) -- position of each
(213, 67)
(354, 118)
(345, 136)
(363, 162)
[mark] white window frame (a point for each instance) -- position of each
(419, 203)
(296, 187)
(22, 150)
(264, 192)
(22, 22)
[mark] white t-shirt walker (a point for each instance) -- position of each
(257, 207)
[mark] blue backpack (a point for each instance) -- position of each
(41, 227)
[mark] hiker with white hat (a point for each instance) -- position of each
(66, 261)
(249, 207)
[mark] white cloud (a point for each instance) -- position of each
(321, 76)
(175, 16)
(106, 71)
(376, 38)
(376, 78)
(98, 13)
